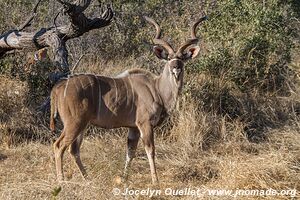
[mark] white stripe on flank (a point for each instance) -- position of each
(132, 93)
(91, 89)
(100, 101)
(126, 91)
(65, 91)
(116, 89)
(76, 87)
(81, 84)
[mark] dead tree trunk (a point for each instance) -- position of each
(55, 37)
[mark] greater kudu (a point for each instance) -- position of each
(136, 99)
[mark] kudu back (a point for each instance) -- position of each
(135, 99)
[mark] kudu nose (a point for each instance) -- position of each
(176, 72)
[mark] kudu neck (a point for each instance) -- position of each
(168, 89)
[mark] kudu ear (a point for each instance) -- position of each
(192, 52)
(160, 52)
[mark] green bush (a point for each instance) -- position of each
(251, 42)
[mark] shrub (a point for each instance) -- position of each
(251, 43)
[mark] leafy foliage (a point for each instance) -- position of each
(251, 42)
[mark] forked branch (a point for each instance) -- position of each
(55, 36)
(29, 21)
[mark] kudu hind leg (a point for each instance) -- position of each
(68, 136)
(56, 144)
(132, 142)
(59, 149)
(75, 153)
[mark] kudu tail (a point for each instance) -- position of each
(53, 111)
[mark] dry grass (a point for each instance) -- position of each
(196, 148)
(28, 171)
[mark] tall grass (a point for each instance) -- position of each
(236, 125)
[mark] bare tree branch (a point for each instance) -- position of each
(82, 5)
(28, 22)
(57, 36)
(66, 4)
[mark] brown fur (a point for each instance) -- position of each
(136, 100)
(141, 71)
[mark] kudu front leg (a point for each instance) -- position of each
(132, 142)
(148, 140)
